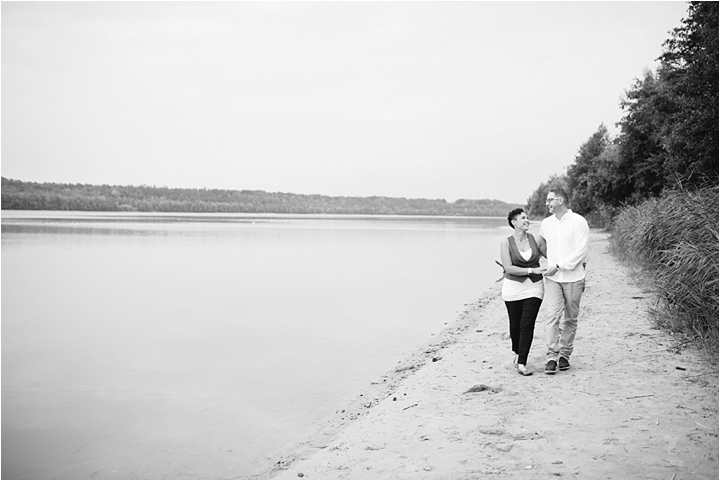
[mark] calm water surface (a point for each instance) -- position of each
(193, 346)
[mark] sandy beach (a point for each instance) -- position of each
(637, 403)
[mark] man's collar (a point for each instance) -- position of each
(569, 211)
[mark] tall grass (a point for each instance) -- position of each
(674, 241)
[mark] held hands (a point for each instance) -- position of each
(551, 270)
(538, 270)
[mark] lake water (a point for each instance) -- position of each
(193, 346)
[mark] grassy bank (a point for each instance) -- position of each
(673, 240)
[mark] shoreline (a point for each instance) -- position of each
(635, 403)
(376, 391)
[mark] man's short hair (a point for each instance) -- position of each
(559, 192)
(514, 213)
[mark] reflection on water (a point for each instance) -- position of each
(192, 346)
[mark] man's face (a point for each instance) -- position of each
(551, 202)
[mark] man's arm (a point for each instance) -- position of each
(551, 269)
(582, 236)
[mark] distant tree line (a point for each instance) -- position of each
(50, 196)
(668, 137)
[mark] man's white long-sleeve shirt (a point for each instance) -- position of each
(567, 243)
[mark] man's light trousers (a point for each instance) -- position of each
(562, 300)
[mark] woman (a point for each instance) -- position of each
(523, 286)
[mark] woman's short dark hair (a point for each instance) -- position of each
(514, 213)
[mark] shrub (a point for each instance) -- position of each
(674, 240)
(601, 217)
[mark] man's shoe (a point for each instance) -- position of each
(551, 367)
(564, 364)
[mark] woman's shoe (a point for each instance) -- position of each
(522, 369)
(515, 361)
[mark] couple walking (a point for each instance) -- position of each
(563, 241)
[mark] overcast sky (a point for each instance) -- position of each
(476, 100)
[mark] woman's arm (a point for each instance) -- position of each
(542, 246)
(508, 265)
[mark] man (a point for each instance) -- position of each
(564, 235)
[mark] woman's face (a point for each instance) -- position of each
(521, 221)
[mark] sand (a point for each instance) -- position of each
(637, 403)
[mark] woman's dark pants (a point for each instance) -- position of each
(522, 316)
